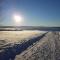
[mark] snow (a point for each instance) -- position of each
(29, 45)
(13, 37)
(48, 48)
(10, 40)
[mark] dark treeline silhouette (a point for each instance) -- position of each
(19, 28)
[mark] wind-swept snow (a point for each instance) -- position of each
(48, 48)
(18, 36)
(15, 42)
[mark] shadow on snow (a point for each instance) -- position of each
(11, 52)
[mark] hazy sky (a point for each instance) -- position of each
(34, 12)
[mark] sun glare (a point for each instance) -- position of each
(17, 18)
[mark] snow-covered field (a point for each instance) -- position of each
(13, 42)
(18, 36)
(48, 48)
(29, 45)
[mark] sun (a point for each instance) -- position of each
(17, 18)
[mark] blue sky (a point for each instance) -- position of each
(35, 12)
